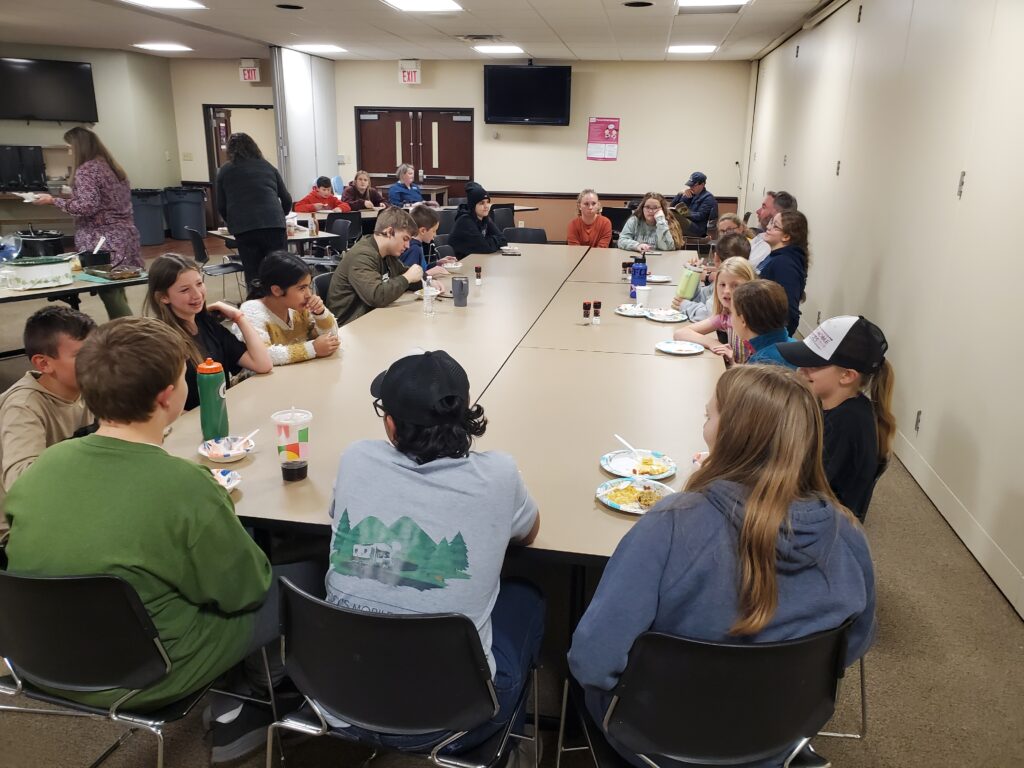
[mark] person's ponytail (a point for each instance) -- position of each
(880, 389)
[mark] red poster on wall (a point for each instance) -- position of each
(603, 138)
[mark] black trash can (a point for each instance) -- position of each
(183, 207)
(148, 209)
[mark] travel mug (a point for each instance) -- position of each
(460, 290)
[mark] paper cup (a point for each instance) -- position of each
(292, 427)
(643, 296)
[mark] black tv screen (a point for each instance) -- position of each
(41, 89)
(527, 95)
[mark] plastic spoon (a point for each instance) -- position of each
(103, 239)
(240, 442)
(636, 454)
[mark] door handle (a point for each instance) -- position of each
(450, 178)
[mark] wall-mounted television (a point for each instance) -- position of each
(41, 89)
(527, 95)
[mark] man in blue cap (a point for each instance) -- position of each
(702, 204)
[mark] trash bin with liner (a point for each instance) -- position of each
(183, 207)
(148, 210)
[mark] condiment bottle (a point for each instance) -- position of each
(479, 279)
(597, 313)
(586, 310)
(213, 407)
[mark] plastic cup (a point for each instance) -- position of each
(643, 296)
(292, 427)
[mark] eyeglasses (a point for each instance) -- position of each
(655, 209)
(773, 225)
(378, 408)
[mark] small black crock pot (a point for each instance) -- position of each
(40, 242)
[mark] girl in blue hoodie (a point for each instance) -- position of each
(757, 548)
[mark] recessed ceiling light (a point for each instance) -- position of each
(638, 4)
(167, 5)
(710, 3)
(289, 7)
(498, 48)
(162, 46)
(424, 6)
(318, 48)
(692, 48)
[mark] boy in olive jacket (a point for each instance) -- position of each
(371, 274)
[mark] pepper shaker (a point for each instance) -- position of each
(597, 313)
(479, 279)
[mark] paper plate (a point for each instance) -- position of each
(223, 450)
(633, 508)
(659, 279)
(226, 478)
(630, 310)
(679, 348)
(451, 266)
(664, 315)
(623, 463)
(510, 251)
(437, 294)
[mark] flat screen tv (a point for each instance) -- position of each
(525, 95)
(41, 89)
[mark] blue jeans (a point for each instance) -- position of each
(517, 628)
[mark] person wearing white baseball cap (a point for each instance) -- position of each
(843, 360)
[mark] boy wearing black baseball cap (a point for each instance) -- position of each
(421, 525)
(474, 230)
(843, 360)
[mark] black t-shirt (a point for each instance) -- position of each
(216, 341)
(851, 452)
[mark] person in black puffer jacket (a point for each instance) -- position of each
(474, 231)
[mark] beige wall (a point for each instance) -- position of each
(211, 81)
(258, 123)
(135, 109)
(914, 94)
(676, 118)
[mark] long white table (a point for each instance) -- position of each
(554, 394)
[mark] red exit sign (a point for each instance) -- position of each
(250, 74)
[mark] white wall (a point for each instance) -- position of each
(917, 92)
(210, 81)
(676, 118)
(134, 106)
(260, 125)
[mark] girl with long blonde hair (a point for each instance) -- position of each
(757, 549)
(651, 227)
(844, 363)
(731, 274)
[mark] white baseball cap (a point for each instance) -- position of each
(848, 341)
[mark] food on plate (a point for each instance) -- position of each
(649, 465)
(627, 494)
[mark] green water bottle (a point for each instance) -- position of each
(213, 406)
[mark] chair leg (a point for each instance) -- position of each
(863, 730)
(799, 747)
(113, 748)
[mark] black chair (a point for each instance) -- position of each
(355, 226)
(722, 703)
(321, 284)
(228, 267)
(447, 221)
(456, 201)
(444, 251)
(618, 218)
(440, 240)
(400, 674)
(82, 634)
(503, 218)
(525, 235)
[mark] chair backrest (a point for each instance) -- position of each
(440, 240)
(447, 221)
(79, 633)
(525, 235)
(457, 200)
(618, 217)
(341, 227)
(337, 184)
(725, 703)
(322, 283)
(198, 246)
(407, 673)
(503, 217)
(444, 251)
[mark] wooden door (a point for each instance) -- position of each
(437, 142)
(218, 122)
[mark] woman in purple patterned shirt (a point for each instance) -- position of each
(101, 203)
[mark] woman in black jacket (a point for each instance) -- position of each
(253, 201)
(474, 231)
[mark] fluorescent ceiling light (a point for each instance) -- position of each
(498, 48)
(167, 5)
(692, 48)
(318, 48)
(424, 6)
(162, 46)
(711, 3)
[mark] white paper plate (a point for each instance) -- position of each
(679, 347)
(630, 310)
(451, 266)
(664, 315)
(508, 250)
(633, 508)
(659, 279)
(222, 449)
(437, 294)
(226, 478)
(623, 462)
(27, 197)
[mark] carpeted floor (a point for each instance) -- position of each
(945, 677)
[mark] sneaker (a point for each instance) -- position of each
(244, 734)
(808, 758)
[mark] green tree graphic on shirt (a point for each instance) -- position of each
(399, 554)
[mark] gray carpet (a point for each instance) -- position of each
(945, 677)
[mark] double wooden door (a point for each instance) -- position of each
(437, 142)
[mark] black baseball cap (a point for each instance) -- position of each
(847, 341)
(696, 178)
(412, 386)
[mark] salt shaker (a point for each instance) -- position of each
(597, 313)
(479, 279)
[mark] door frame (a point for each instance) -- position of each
(355, 117)
(211, 153)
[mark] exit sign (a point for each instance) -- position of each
(249, 71)
(409, 72)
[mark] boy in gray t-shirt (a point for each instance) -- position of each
(421, 524)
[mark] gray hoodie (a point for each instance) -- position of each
(677, 572)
